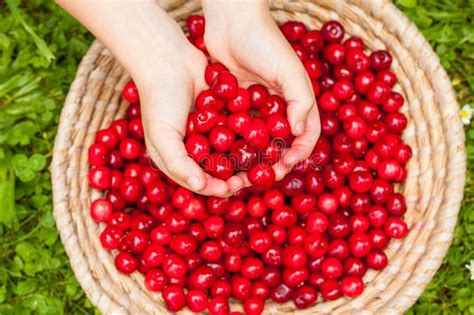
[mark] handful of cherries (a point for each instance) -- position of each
(318, 230)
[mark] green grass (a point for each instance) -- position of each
(40, 48)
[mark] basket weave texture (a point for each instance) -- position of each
(433, 190)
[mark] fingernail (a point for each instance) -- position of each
(194, 182)
(300, 128)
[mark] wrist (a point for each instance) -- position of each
(225, 12)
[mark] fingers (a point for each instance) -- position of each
(298, 92)
(165, 113)
(303, 145)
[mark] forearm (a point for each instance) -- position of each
(134, 31)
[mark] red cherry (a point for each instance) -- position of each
(360, 244)
(316, 245)
(130, 92)
(211, 251)
(225, 86)
(281, 293)
(219, 166)
(332, 31)
(126, 263)
(174, 298)
(241, 288)
(293, 30)
(358, 62)
(174, 266)
(331, 268)
(343, 89)
(257, 134)
(262, 175)
(218, 306)
(207, 101)
(101, 210)
(258, 95)
(241, 102)
(155, 280)
(313, 68)
(196, 300)
(110, 237)
(317, 222)
(221, 138)
(377, 260)
(284, 217)
(278, 126)
(195, 24)
(211, 72)
(360, 181)
(294, 257)
(377, 216)
(352, 286)
(380, 60)
(100, 177)
(396, 228)
(354, 43)
(354, 267)
(312, 42)
(330, 289)
(273, 105)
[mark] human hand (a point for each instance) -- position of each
(243, 36)
(169, 73)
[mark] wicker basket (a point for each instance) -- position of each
(434, 188)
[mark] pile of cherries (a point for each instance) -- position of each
(317, 230)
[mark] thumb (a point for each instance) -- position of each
(298, 92)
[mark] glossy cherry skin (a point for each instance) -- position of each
(315, 245)
(221, 138)
(360, 181)
(262, 175)
(360, 244)
(241, 287)
(312, 42)
(126, 263)
(174, 298)
(352, 286)
(202, 278)
(380, 60)
(254, 306)
(257, 134)
(155, 280)
(101, 210)
(198, 146)
(330, 289)
(273, 105)
(332, 31)
(196, 300)
(218, 306)
(258, 95)
(100, 177)
(130, 92)
(293, 30)
(294, 257)
(211, 72)
(219, 166)
(396, 228)
(281, 293)
(278, 126)
(305, 297)
(195, 24)
(252, 268)
(225, 86)
(241, 102)
(317, 222)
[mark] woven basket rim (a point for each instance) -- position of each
(440, 164)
